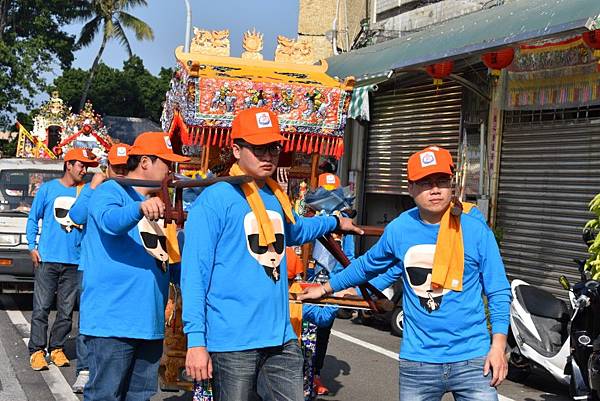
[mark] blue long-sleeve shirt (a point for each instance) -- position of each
(235, 293)
(60, 239)
(322, 316)
(394, 273)
(79, 215)
(441, 326)
(125, 289)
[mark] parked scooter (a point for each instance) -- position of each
(560, 338)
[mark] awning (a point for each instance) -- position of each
(512, 23)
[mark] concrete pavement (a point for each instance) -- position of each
(361, 364)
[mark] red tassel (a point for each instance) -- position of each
(305, 145)
(292, 142)
(340, 149)
(192, 136)
(327, 146)
(299, 143)
(310, 145)
(221, 137)
(286, 144)
(208, 136)
(201, 132)
(215, 135)
(228, 141)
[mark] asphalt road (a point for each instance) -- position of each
(361, 364)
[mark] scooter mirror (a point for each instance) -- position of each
(564, 282)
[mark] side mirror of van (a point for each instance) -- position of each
(564, 282)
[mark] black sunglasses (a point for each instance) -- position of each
(274, 149)
(259, 250)
(151, 240)
(61, 213)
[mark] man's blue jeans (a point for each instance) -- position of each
(51, 279)
(274, 373)
(420, 381)
(122, 369)
(81, 349)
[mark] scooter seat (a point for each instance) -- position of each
(542, 303)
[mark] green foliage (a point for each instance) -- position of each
(8, 147)
(130, 92)
(593, 227)
(110, 18)
(33, 42)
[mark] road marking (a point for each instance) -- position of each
(10, 388)
(383, 351)
(372, 347)
(58, 385)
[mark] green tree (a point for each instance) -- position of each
(32, 42)
(130, 92)
(112, 17)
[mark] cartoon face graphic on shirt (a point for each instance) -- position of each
(62, 205)
(268, 256)
(418, 263)
(154, 239)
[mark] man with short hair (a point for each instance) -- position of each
(116, 167)
(233, 281)
(55, 258)
(126, 279)
(448, 260)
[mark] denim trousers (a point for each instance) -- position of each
(273, 373)
(52, 280)
(420, 381)
(122, 369)
(81, 348)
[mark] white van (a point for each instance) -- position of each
(19, 181)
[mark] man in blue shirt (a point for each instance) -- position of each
(117, 167)
(235, 302)
(126, 277)
(55, 258)
(448, 259)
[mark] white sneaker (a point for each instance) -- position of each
(82, 379)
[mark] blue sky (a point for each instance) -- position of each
(167, 19)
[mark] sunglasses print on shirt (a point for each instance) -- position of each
(253, 241)
(269, 257)
(154, 241)
(418, 264)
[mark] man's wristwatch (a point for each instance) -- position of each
(338, 222)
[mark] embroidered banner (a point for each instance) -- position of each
(553, 73)
(315, 109)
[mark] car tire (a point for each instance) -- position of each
(397, 322)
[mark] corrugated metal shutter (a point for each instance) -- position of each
(549, 172)
(405, 120)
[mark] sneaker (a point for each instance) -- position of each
(320, 389)
(81, 381)
(58, 357)
(38, 360)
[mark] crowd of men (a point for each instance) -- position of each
(105, 240)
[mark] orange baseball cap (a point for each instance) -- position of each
(82, 155)
(329, 181)
(118, 154)
(155, 144)
(257, 126)
(431, 160)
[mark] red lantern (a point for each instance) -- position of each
(498, 60)
(592, 39)
(439, 71)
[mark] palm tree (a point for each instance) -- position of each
(112, 18)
